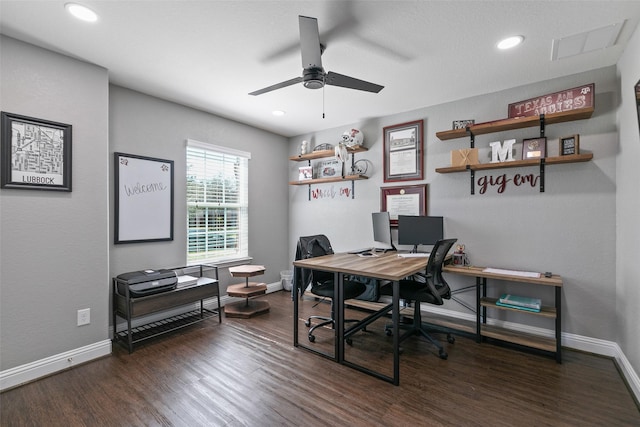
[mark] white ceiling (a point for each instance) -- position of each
(210, 54)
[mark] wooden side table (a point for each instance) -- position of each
(249, 307)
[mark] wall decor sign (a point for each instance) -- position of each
(569, 145)
(534, 148)
(143, 199)
(403, 200)
(462, 124)
(329, 169)
(402, 154)
(565, 100)
(36, 153)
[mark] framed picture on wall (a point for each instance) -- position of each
(143, 199)
(403, 153)
(403, 200)
(36, 153)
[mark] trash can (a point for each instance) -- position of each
(286, 277)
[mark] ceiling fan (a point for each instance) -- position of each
(313, 75)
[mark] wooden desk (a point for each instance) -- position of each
(386, 266)
(482, 302)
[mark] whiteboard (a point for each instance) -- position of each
(143, 199)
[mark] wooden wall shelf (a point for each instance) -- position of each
(516, 123)
(322, 154)
(330, 179)
(574, 158)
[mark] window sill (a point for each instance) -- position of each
(225, 262)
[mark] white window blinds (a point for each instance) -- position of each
(217, 202)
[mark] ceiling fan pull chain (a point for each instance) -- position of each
(323, 102)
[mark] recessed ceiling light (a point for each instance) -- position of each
(278, 113)
(510, 42)
(81, 12)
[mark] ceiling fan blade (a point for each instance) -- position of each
(310, 42)
(335, 79)
(277, 86)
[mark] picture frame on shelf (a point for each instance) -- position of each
(305, 173)
(143, 199)
(403, 154)
(329, 169)
(534, 148)
(569, 145)
(403, 200)
(462, 124)
(36, 153)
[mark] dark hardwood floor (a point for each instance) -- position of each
(246, 372)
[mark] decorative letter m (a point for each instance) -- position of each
(502, 153)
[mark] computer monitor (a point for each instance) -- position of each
(419, 230)
(382, 230)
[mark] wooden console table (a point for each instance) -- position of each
(129, 307)
(249, 307)
(491, 331)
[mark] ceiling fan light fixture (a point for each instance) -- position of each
(510, 42)
(81, 12)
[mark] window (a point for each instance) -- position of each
(217, 202)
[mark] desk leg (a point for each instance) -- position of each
(338, 292)
(395, 318)
(294, 295)
(558, 324)
(478, 309)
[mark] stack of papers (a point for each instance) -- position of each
(512, 272)
(519, 302)
(186, 281)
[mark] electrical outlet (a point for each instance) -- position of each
(84, 316)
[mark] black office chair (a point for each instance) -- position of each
(432, 291)
(321, 281)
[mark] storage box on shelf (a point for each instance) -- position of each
(201, 285)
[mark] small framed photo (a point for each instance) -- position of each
(36, 154)
(305, 172)
(462, 124)
(569, 145)
(329, 169)
(534, 148)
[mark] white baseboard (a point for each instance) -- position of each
(572, 341)
(32, 371)
(19, 375)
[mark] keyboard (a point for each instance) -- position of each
(512, 272)
(414, 255)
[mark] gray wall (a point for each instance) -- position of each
(628, 208)
(148, 126)
(569, 229)
(54, 247)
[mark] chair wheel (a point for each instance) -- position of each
(312, 338)
(307, 323)
(388, 332)
(443, 354)
(451, 339)
(349, 341)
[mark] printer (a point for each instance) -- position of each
(146, 282)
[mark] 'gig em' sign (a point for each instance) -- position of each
(566, 100)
